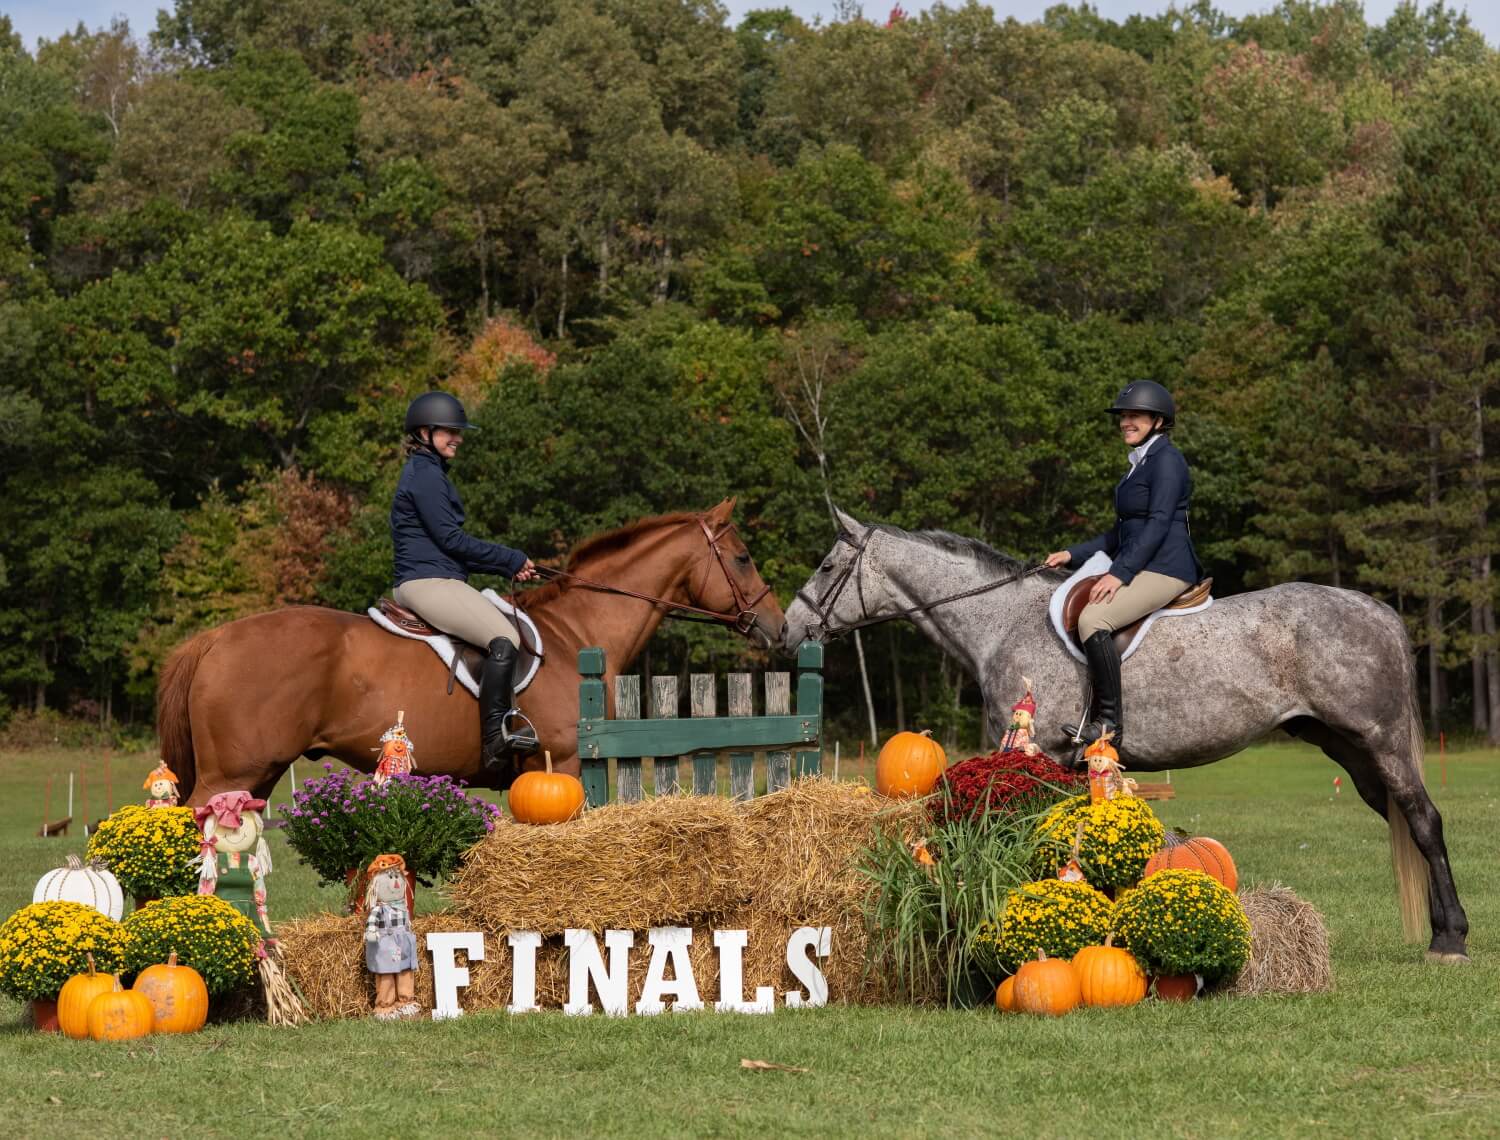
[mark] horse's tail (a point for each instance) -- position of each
(174, 725)
(1407, 859)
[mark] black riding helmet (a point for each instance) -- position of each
(1146, 396)
(436, 409)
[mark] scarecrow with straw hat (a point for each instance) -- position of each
(162, 784)
(390, 943)
(1022, 724)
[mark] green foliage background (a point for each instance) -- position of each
(636, 238)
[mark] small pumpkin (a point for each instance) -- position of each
(77, 994)
(120, 1015)
(1047, 986)
(1108, 975)
(1005, 995)
(178, 996)
(909, 765)
(546, 797)
(1197, 853)
(90, 885)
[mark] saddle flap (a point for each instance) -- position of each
(1078, 598)
(403, 617)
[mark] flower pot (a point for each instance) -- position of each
(44, 1015)
(354, 879)
(140, 902)
(1176, 987)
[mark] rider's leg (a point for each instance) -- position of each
(1146, 593)
(457, 608)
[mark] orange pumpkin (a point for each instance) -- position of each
(77, 994)
(1196, 854)
(1048, 986)
(909, 765)
(1005, 995)
(178, 996)
(545, 797)
(1109, 976)
(120, 1015)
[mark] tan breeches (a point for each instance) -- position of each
(1147, 591)
(458, 608)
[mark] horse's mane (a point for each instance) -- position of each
(987, 556)
(598, 544)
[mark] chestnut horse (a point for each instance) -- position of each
(237, 704)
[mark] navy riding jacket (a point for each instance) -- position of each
(1151, 521)
(427, 528)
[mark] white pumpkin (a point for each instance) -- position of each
(92, 886)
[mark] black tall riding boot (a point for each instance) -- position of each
(1107, 708)
(502, 739)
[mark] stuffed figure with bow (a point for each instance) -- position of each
(161, 782)
(233, 857)
(390, 943)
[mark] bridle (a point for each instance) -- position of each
(822, 607)
(743, 620)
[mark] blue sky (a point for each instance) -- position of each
(51, 18)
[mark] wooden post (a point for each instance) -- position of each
(704, 701)
(664, 707)
(778, 703)
(109, 795)
(741, 764)
(595, 770)
(628, 768)
(810, 701)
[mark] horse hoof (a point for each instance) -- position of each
(1448, 959)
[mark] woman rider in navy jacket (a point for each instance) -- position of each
(1153, 554)
(434, 558)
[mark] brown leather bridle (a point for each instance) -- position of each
(743, 620)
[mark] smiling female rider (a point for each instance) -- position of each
(434, 558)
(1153, 554)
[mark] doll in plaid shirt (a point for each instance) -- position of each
(390, 943)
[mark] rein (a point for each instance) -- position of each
(821, 607)
(742, 620)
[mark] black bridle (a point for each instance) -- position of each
(822, 607)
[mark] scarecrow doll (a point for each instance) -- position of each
(397, 756)
(390, 944)
(233, 856)
(162, 786)
(1022, 724)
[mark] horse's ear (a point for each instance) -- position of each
(724, 511)
(847, 522)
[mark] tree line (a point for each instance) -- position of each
(899, 262)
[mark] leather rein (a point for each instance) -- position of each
(743, 620)
(822, 607)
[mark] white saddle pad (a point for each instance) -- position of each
(443, 645)
(1100, 564)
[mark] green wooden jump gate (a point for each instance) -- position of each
(628, 738)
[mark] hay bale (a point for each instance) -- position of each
(1288, 945)
(622, 866)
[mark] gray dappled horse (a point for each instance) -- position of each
(1327, 665)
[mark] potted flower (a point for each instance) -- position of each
(1183, 923)
(337, 823)
(149, 850)
(204, 931)
(1118, 838)
(1013, 783)
(45, 944)
(1051, 916)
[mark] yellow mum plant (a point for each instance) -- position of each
(149, 850)
(1184, 922)
(1119, 838)
(1052, 915)
(46, 943)
(207, 933)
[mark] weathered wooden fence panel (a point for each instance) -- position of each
(627, 737)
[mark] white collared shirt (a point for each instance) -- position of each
(1137, 454)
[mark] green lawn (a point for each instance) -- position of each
(1401, 1048)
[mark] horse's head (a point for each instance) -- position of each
(729, 583)
(830, 600)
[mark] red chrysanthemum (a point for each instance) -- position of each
(1001, 782)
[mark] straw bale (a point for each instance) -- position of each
(807, 840)
(622, 866)
(1288, 945)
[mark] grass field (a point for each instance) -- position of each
(1401, 1048)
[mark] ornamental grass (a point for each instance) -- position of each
(46, 943)
(207, 933)
(149, 850)
(1119, 837)
(1184, 922)
(1050, 914)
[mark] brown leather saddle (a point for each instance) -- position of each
(1078, 597)
(403, 618)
